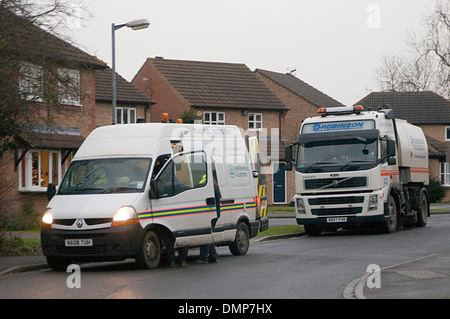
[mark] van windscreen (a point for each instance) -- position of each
(102, 176)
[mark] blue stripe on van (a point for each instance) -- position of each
(194, 210)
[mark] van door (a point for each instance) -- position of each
(182, 189)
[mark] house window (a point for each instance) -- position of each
(255, 122)
(69, 87)
(126, 115)
(445, 174)
(214, 118)
(31, 82)
(447, 133)
(38, 168)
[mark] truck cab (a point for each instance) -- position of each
(355, 167)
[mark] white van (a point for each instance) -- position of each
(130, 187)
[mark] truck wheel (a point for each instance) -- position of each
(422, 214)
(391, 224)
(242, 242)
(150, 253)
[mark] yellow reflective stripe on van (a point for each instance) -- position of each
(194, 210)
(261, 193)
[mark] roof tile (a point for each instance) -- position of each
(301, 88)
(220, 85)
(422, 107)
(126, 92)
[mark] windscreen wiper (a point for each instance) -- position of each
(118, 189)
(317, 163)
(353, 162)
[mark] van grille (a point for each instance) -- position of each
(88, 221)
(81, 250)
(333, 183)
(64, 222)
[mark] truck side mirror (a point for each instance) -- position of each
(153, 193)
(390, 148)
(391, 161)
(288, 157)
(51, 191)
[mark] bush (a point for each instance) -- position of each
(16, 246)
(26, 219)
(189, 117)
(436, 192)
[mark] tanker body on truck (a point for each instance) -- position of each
(356, 167)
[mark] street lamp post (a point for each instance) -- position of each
(134, 25)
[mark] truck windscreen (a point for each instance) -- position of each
(357, 153)
(102, 176)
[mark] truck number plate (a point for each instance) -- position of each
(336, 219)
(78, 242)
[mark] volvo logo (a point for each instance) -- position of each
(79, 223)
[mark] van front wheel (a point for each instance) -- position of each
(150, 253)
(242, 241)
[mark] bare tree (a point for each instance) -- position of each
(426, 66)
(17, 48)
(17, 45)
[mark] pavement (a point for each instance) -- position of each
(423, 278)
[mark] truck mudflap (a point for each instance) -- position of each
(254, 227)
(264, 224)
(340, 221)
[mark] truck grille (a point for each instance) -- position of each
(333, 183)
(337, 211)
(336, 200)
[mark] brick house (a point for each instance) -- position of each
(300, 98)
(214, 93)
(429, 111)
(65, 90)
(132, 105)
(302, 101)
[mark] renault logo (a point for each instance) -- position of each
(79, 223)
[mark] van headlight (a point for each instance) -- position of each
(47, 219)
(125, 215)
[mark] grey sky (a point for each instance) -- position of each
(335, 45)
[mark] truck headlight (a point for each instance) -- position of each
(300, 206)
(373, 202)
(47, 219)
(125, 215)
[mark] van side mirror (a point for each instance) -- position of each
(51, 191)
(153, 193)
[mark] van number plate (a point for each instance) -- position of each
(336, 219)
(78, 242)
